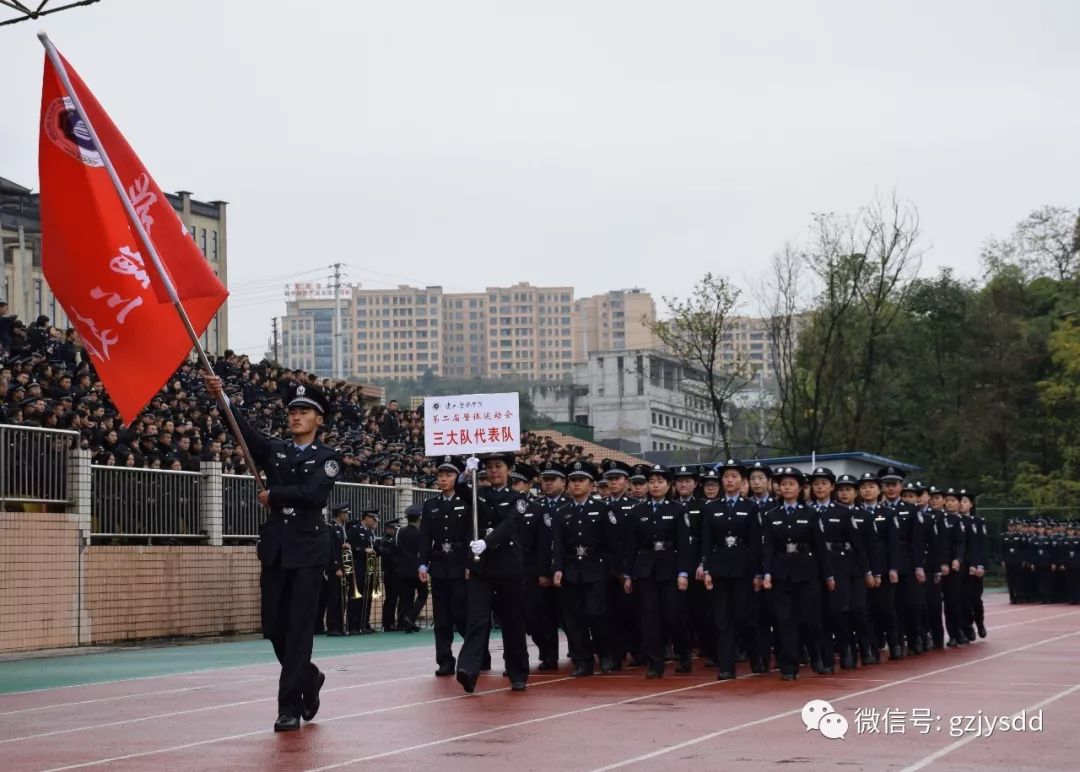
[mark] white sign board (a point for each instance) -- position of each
(471, 423)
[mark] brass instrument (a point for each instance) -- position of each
(373, 574)
(348, 573)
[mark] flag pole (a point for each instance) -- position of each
(149, 248)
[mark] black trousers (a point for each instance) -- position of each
(1014, 581)
(420, 602)
(542, 617)
(881, 611)
(976, 615)
(1044, 582)
(765, 638)
(798, 618)
(584, 610)
(660, 614)
(336, 602)
(448, 607)
(954, 588)
(910, 605)
(290, 606)
(407, 588)
(502, 595)
(702, 626)
(390, 601)
(623, 618)
(934, 609)
(845, 617)
(1072, 582)
(732, 602)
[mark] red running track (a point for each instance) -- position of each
(387, 708)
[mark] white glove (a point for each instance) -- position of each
(478, 547)
(472, 464)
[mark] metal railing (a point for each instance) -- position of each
(420, 495)
(144, 503)
(362, 496)
(241, 511)
(34, 464)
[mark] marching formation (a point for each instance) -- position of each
(1041, 559)
(738, 562)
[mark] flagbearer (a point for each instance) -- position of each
(294, 545)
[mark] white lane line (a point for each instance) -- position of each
(191, 711)
(263, 677)
(713, 735)
(201, 671)
(243, 735)
(526, 722)
(927, 760)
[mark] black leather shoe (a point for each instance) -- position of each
(581, 670)
(895, 652)
(758, 667)
(311, 705)
(953, 643)
(335, 633)
(517, 686)
(606, 665)
(636, 661)
(684, 666)
(468, 682)
(981, 628)
(286, 723)
(725, 676)
(655, 674)
(711, 663)
(485, 665)
(787, 676)
(847, 659)
(547, 664)
(445, 670)
(817, 665)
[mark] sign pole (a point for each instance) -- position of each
(475, 514)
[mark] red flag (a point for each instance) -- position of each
(94, 261)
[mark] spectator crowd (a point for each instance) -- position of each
(47, 380)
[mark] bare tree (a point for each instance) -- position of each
(1045, 243)
(696, 332)
(827, 352)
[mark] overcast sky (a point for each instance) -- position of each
(599, 144)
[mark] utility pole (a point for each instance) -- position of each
(338, 363)
(274, 321)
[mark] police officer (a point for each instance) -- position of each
(552, 499)
(535, 535)
(794, 563)
(445, 529)
(910, 597)
(585, 544)
(731, 556)
(1070, 562)
(847, 495)
(622, 613)
(638, 482)
(659, 562)
(366, 543)
(937, 546)
(1012, 559)
(759, 481)
(955, 581)
(495, 579)
(700, 627)
(974, 617)
(844, 613)
(294, 545)
(339, 589)
(881, 546)
(406, 572)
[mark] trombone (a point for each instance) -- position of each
(348, 576)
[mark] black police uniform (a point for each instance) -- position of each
(954, 584)
(294, 550)
(697, 608)
(975, 619)
(794, 558)
(622, 606)
(584, 546)
(731, 557)
(910, 595)
(658, 551)
(882, 549)
(764, 641)
(541, 616)
(495, 584)
(361, 539)
(339, 588)
(936, 556)
(844, 629)
(1012, 556)
(1070, 561)
(406, 564)
(445, 532)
